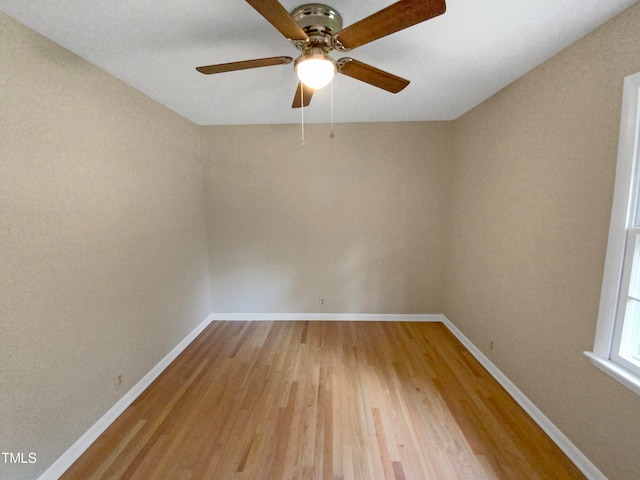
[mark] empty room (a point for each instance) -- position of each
(423, 267)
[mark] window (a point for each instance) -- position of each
(626, 341)
(616, 348)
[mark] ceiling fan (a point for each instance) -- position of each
(316, 29)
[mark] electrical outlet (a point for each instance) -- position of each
(491, 345)
(117, 381)
(322, 302)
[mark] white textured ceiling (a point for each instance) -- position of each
(454, 61)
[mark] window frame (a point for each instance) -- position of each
(624, 215)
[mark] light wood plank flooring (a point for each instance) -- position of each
(324, 400)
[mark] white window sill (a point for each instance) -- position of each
(619, 373)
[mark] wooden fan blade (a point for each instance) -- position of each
(306, 96)
(278, 16)
(395, 17)
(243, 65)
(371, 75)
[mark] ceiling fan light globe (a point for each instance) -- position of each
(316, 72)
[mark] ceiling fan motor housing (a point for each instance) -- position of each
(319, 22)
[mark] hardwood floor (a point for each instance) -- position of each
(324, 400)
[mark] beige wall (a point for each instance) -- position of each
(102, 251)
(533, 171)
(357, 220)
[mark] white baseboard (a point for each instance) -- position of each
(78, 448)
(351, 317)
(67, 459)
(559, 438)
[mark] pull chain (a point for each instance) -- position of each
(302, 112)
(331, 135)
